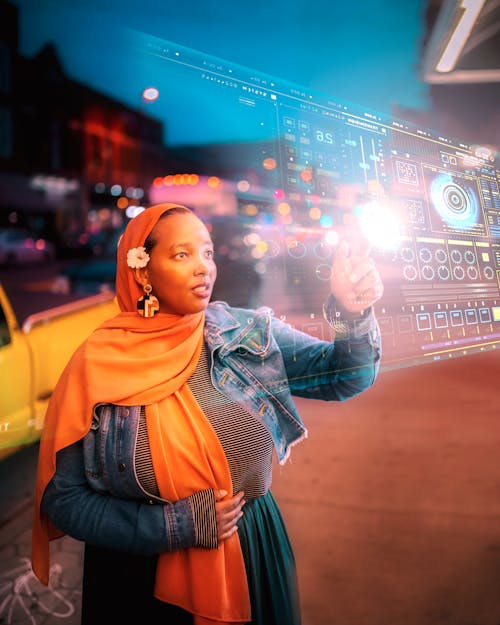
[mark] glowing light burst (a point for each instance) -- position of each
(380, 225)
(457, 206)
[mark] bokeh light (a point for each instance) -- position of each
(133, 211)
(306, 175)
(243, 186)
(251, 210)
(214, 182)
(332, 237)
(284, 208)
(150, 94)
(315, 213)
(269, 163)
(326, 221)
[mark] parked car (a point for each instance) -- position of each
(21, 246)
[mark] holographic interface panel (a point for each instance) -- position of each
(306, 169)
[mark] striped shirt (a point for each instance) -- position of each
(247, 444)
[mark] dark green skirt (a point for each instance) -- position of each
(270, 564)
(118, 587)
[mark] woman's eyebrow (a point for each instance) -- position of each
(190, 244)
(174, 245)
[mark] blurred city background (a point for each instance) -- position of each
(97, 125)
(74, 158)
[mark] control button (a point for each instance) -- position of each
(427, 272)
(425, 255)
(410, 272)
(440, 255)
(458, 272)
(443, 272)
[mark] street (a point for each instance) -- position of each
(392, 505)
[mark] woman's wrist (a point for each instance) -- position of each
(343, 321)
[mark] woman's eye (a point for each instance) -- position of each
(209, 253)
(181, 255)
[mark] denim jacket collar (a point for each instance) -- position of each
(243, 330)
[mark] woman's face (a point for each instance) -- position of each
(181, 269)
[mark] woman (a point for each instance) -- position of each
(158, 442)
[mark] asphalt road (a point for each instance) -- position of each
(393, 502)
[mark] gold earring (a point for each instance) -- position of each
(148, 305)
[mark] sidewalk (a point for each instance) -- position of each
(23, 599)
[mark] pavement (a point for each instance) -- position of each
(23, 599)
(392, 506)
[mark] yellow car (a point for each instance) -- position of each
(32, 358)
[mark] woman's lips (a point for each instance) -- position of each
(202, 290)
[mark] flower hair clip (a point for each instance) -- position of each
(137, 257)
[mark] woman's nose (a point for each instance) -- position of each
(202, 265)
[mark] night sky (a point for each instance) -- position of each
(365, 52)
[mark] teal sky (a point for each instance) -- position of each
(365, 52)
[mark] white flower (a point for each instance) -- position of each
(137, 257)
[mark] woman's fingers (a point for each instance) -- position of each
(220, 494)
(355, 281)
(228, 512)
(369, 288)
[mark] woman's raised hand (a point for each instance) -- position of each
(355, 281)
(228, 511)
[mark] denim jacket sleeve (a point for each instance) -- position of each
(331, 371)
(136, 526)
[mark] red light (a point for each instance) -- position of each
(269, 163)
(279, 194)
(306, 175)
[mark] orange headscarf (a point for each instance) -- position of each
(132, 360)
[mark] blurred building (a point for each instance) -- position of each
(68, 154)
(8, 50)
(460, 61)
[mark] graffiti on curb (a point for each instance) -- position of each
(22, 594)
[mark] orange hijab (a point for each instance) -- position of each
(132, 360)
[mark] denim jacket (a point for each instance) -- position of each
(255, 359)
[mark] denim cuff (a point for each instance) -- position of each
(180, 524)
(345, 328)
